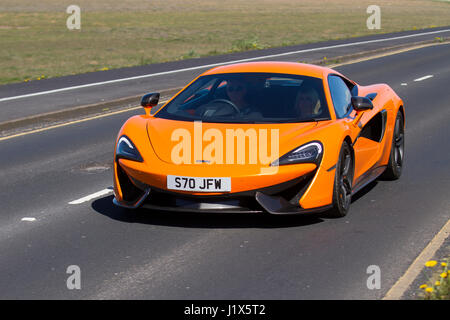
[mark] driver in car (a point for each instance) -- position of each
(237, 94)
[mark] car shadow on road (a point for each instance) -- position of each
(361, 193)
(105, 206)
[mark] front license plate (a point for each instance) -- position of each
(199, 184)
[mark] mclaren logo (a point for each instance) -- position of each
(203, 161)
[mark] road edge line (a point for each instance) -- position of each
(404, 282)
(49, 119)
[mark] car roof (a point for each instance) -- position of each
(273, 67)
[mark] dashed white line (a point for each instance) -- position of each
(28, 219)
(92, 196)
(424, 78)
(219, 64)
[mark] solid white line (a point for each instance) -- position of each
(218, 64)
(424, 78)
(402, 284)
(92, 196)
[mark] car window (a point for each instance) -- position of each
(205, 89)
(250, 98)
(340, 95)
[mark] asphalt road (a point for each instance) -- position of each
(155, 255)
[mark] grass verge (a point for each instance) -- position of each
(438, 284)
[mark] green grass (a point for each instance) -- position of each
(438, 284)
(35, 42)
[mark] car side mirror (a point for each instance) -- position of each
(150, 100)
(362, 104)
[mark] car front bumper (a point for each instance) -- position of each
(280, 199)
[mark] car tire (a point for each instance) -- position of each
(343, 181)
(397, 154)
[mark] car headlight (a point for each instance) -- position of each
(310, 152)
(126, 150)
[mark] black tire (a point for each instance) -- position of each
(397, 155)
(343, 180)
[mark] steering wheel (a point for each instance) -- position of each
(227, 102)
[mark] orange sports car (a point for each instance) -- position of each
(274, 137)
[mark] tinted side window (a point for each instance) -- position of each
(340, 94)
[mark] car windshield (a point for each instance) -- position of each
(249, 98)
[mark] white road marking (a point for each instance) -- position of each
(424, 78)
(73, 122)
(28, 219)
(218, 64)
(405, 281)
(92, 196)
(404, 84)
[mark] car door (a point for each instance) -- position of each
(366, 148)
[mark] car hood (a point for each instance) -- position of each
(171, 138)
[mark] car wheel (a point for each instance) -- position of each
(397, 155)
(343, 180)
